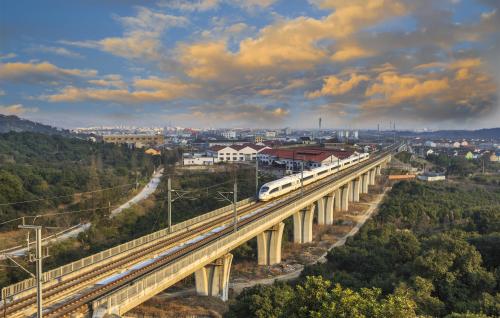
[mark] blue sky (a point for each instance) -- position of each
(254, 63)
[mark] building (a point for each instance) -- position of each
(258, 139)
(292, 158)
(306, 140)
(138, 141)
(229, 134)
(236, 153)
(199, 161)
(270, 134)
(432, 176)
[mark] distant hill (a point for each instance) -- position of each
(14, 123)
(490, 133)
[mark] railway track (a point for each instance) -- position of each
(82, 303)
(55, 292)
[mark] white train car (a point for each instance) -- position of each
(292, 182)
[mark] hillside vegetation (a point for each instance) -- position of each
(44, 171)
(431, 251)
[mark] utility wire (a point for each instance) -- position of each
(68, 195)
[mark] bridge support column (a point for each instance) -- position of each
(365, 181)
(345, 197)
(351, 191)
(356, 189)
(372, 177)
(213, 279)
(378, 169)
(302, 225)
(269, 245)
(321, 207)
(329, 208)
(338, 199)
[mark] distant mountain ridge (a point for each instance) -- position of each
(487, 133)
(14, 123)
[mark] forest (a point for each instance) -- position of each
(200, 196)
(44, 172)
(431, 251)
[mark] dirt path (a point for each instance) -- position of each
(77, 229)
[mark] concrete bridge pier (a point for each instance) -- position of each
(321, 208)
(356, 189)
(365, 180)
(338, 199)
(345, 197)
(330, 208)
(378, 169)
(351, 191)
(302, 225)
(372, 177)
(269, 245)
(213, 279)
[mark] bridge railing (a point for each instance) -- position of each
(204, 254)
(56, 273)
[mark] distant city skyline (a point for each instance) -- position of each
(255, 63)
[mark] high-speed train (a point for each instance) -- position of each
(289, 183)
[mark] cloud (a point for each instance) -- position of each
(61, 51)
(253, 4)
(39, 72)
(190, 5)
(239, 114)
(16, 109)
(146, 90)
(350, 52)
(334, 86)
(8, 56)
(112, 80)
(142, 36)
(391, 88)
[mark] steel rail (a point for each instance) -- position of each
(99, 271)
(83, 302)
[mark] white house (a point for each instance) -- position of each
(236, 153)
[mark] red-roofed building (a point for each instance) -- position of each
(236, 153)
(312, 157)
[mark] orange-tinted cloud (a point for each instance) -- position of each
(335, 86)
(16, 109)
(38, 72)
(151, 89)
(391, 88)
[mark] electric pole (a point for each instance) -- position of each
(169, 205)
(179, 195)
(224, 196)
(235, 199)
(257, 175)
(302, 178)
(38, 259)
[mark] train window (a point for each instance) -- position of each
(286, 185)
(308, 177)
(264, 189)
(322, 172)
(274, 190)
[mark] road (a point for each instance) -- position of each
(75, 230)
